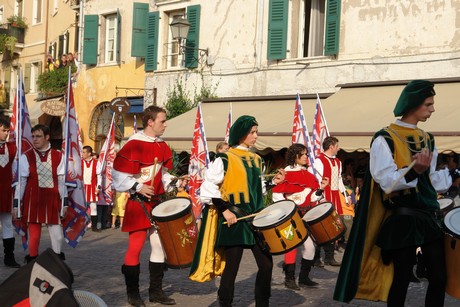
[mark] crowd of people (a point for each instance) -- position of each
(396, 187)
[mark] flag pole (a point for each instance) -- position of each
(18, 140)
(66, 140)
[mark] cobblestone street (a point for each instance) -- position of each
(97, 260)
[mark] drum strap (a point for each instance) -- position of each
(147, 213)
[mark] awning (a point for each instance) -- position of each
(137, 105)
(353, 115)
(35, 111)
(275, 119)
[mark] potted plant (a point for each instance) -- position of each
(7, 44)
(16, 21)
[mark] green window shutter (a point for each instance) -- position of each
(193, 37)
(39, 67)
(277, 29)
(151, 55)
(331, 46)
(27, 72)
(90, 37)
(139, 33)
(61, 46)
(8, 79)
(118, 36)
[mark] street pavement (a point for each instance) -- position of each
(96, 265)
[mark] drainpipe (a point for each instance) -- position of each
(46, 36)
(260, 34)
(80, 31)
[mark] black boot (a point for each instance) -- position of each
(8, 246)
(329, 255)
(262, 302)
(317, 259)
(131, 273)
(289, 273)
(94, 224)
(304, 279)
(29, 258)
(156, 293)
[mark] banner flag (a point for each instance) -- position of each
(199, 160)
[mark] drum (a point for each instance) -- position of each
(280, 227)
(445, 204)
(177, 230)
(451, 224)
(324, 223)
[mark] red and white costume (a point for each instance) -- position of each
(90, 180)
(136, 159)
(42, 181)
(41, 198)
(7, 154)
(331, 167)
(300, 186)
(142, 159)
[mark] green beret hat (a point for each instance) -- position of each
(413, 95)
(240, 128)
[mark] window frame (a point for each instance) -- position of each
(107, 18)
(37, 13)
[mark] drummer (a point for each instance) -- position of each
(234, 183)
(378, 262)
(301, 187)
(140, 168)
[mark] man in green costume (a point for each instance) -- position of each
(398, 210)
(234, 183)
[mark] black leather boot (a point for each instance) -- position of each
(304, 279)
(329, 255)
(132, 284)
(94, 224)
(156, 293)
(289, 273)
(8, 246)
(28, 258)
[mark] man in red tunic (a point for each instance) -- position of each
(140, 167)
(92, 183)
(7, 154)
(327, 165)
(42, 171)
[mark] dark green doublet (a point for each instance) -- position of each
(403, 230)
(241, 233)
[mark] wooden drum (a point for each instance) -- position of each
(177, 231)
(324, 223)
(451, 226)
(280, 227)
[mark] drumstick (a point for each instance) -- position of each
(154, 170)
(244, 217)
(390, 189)
(268, 175)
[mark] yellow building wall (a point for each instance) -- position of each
(97, 85)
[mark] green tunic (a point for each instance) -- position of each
(242, 187)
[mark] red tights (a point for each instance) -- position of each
(290, 257)
(135, 244)
(35, 232)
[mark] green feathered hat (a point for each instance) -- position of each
(240, 128)
(413, 95)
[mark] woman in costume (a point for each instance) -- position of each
(302, 188)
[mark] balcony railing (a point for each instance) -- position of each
(19, 33)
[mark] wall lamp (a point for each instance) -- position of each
(179, 29)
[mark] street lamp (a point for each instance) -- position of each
(179, 29)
